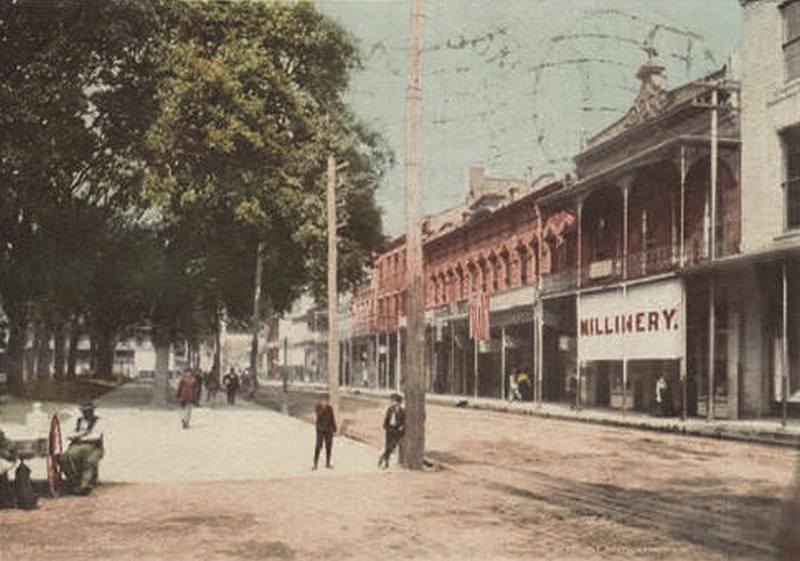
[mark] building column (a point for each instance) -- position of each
(626, 187)
(475, 367)
(580, 245)
(714, 165)
(451, 375)
(682, 240)
(683, 359)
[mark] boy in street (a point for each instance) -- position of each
(187, 393)
(326, 427)
(394, 425)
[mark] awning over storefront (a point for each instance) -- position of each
(644, 324)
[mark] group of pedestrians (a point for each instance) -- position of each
(394, 426)
(190, 389)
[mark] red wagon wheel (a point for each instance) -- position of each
(54, 450)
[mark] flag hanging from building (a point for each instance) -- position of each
(479, 317)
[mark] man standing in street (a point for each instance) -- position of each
(212, 385)
(394, 425)
(326, 427)
(187, 393)
(231, 383)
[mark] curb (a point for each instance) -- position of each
(778, 437)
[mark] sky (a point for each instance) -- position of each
(514, 85)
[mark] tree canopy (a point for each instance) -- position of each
(148, 147)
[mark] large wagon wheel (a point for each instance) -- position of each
(53, 452)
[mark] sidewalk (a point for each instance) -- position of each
(763, 431)
(245, 442)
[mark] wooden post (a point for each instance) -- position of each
(711, 348)
(333, 293)
(475, 368)
(414, 440)
(503, 362)
(452, 364)
(714, 165)
(624, 358)
(785, 345)
(681, 241)
(684, 325)
(580, 244)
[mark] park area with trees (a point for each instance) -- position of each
(153, 154)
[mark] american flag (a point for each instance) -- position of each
(479, 317)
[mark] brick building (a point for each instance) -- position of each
(670, 250)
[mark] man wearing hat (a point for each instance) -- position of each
(81, 460)
(394, 425)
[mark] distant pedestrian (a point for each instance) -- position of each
(198, 387)
(663, 397)
(525, 387)
(394, 426)
(572, 390)
(513, 387)
(326, 428)
(187, 393)
(231, 383)
(212, 386)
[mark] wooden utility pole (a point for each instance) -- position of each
(414, 452)
(333, 292)
(256, 319)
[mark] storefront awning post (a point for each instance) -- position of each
(711, 348)
(785, 345)
(503, 362)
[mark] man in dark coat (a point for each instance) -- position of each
(231, 383)
(394, 426)
(326, 427)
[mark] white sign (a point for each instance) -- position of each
(645, 325)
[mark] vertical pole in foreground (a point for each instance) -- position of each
(333, 335)
(415, 313)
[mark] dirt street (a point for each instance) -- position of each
(515, 488)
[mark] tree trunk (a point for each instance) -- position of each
(72, 352)
(59, 347)
(161, 380)
(92, 351)
(256, 319)
(17, 338)
(106, 344)
(43, 356)
(217, 366)
(32, 352)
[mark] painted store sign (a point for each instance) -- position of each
(645, 325)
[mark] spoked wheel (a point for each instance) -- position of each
(54, 450)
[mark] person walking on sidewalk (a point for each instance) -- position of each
(231, 383)
(326, 427)
(394, 425)
(187, 393)
(212, 386)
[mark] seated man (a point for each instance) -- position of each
(82, 459)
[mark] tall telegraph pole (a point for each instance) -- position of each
(415, 339)
(333, 335)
